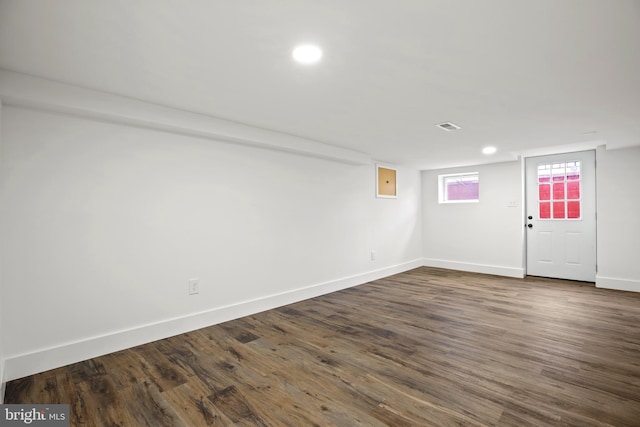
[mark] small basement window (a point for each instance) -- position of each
(459, 188)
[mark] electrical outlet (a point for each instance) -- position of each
(194, 286)
(373, 255)
(512, 204)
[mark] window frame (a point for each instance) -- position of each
(565, 200)
(442, 192)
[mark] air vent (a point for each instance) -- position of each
(448, 126)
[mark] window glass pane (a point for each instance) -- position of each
(558, 190)
(558, 210)
(573, 171)
(544, 173)
(557, 171)
(573, 190)
(545, 210)
(573, 210)
(544, 191)
(462, 187)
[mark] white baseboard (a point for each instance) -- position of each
(475, 268)
(19, 366)
(616, 283)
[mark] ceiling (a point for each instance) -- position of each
(518, 75)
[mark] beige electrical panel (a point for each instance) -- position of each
(386, 182)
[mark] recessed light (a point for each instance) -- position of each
(489, 150)
(307, 53)
(448, 126)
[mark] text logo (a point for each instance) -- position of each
(34, 415)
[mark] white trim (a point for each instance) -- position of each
(562, 149)
(3, 384)
(475, 268)
(617, 283)
(21, 90)
(523, 213)
(453, 202)
(21, 365)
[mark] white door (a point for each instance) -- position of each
(561, 216)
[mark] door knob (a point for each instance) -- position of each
(530, 225)
(530, 217)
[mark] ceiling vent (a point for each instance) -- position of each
(448, 126)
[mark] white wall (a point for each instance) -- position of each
(104, 223)
(487, 237)
(618, 175)
(484, 237)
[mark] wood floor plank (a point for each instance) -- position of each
(429, 347)
(192, 406)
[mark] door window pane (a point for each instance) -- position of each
(545, 210)
(544, 191)
(573, 171)
(557, 172)
(573, 190)
(558, 191)
(573, 210)
(544, 173)
(558, 210)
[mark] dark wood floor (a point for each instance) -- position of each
(428, 347)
